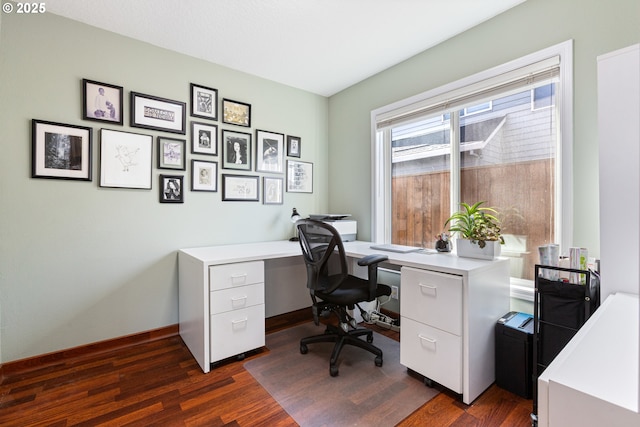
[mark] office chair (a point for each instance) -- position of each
(334, 290)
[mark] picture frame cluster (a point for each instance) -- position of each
(244, 161)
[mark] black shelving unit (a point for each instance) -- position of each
(559, 310)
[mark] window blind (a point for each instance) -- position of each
(517, 80)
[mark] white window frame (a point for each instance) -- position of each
(381, 152)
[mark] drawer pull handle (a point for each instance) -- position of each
(422, 285)
(235, 299)
(429, 340)
(238, 278)
(237, 322)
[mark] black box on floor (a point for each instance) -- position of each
(514, 353)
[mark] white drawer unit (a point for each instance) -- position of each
(236, 307)
(448, 320)
(234, 332)
(237, 274)
(432, 298)
(431, 352)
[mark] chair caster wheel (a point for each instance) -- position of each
(370, 338)
(379, 361)
(333, 371)
(353, 323)
(428, 382)
(304, 349)
(240, 357)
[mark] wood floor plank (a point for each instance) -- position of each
(159, 383)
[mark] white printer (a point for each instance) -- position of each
(347, 228)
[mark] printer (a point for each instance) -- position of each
(347, 227)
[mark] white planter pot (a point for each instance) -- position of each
(464, 248)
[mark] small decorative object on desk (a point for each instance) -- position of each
(443, 244)
(478, 231)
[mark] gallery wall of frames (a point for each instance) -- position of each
(211, 148)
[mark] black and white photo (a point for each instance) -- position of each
(171, 190)
(204, 102)
(236, 150)
(269, 151)
(101, 102)
(204, 138)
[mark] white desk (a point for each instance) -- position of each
(594, 381)
(463, 299)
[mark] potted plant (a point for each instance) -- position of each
(478, 229)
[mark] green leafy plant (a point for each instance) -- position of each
(476, 223)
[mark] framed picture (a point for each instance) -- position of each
(102, 102)
(125, 159)
(240, 188)
(236, 113)
(204, 175)
(204, 102)
(171, 190)
(171, 153)
(151, 112)
(204, 138)
(272, 189)
(299, 176)
(269, 151)
(60, 151)
(236, 150)
(293, 146)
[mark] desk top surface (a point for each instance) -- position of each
(224, 254)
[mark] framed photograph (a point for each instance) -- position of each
(60, 151)
(204, 138)
(240, 188)
(299, 176)
(171, 153)
(125, 159)
(293, 146)
(171, 190)
(272, 189)
(102, 102)
(204, 102)
(236, 113)
(236, 148)
(204, 175)
(151, 112)
(269, 151)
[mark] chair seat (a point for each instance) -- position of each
(352, 291)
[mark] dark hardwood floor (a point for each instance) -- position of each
(158, 383)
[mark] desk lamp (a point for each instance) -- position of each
(295, 216)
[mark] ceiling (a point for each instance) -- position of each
(321, 46)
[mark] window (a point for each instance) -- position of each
(501, 136)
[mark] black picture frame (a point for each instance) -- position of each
(236, 150)
(171, 153)
(102, 102)
(294, 146)
(240, 188)
(61, 151)
(204, 138)
(204, 175)
(299, 177)
(236, 113)
(269, 151)
(204, 102)
(155, 113)
(171, 189)
(272, 190)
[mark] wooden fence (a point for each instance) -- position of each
(521, 192)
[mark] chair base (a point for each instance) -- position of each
(342, 338)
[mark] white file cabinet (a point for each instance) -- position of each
(236, 307)
(431, 308)
(448, 319)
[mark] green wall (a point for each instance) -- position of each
(80, 263)
(595, 26)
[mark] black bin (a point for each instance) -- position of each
(514, 353)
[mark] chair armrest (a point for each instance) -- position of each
(372, 259)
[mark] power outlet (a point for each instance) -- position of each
(394, 292)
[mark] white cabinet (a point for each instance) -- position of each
(236, 308)
(619, 146)
(448, 321)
